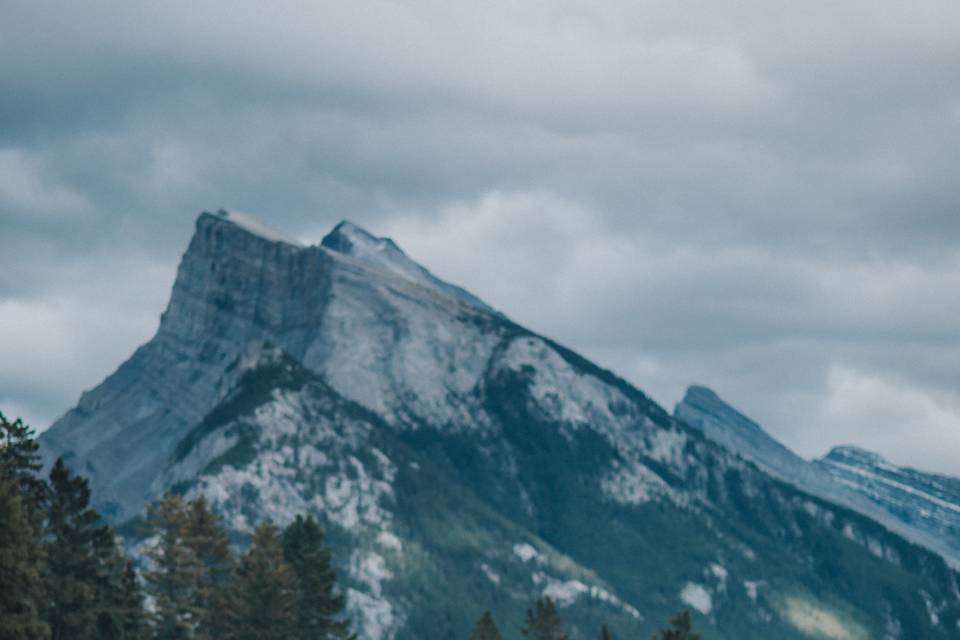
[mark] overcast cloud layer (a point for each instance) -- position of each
(761, 196)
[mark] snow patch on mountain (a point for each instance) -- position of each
(719, 572)
(374, 617)
(697, 597)
(492, 575)
(370, 569)
(255, 226)
(525, 551)
(752, 587)
(633, 484)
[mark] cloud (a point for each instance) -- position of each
(26, 191)
(778, 335)
(886, 413)
(753, 195)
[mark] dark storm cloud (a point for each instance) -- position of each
(757, 195)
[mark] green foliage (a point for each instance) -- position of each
(175, 575)
(319, 606)
(19, 464)
(486, 628)
(128, 620)
(261, 603)
(120, 612)
(543, 621)
(206, 538)
(22, 590)
(680, 629)
(77, 568)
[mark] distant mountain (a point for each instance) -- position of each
(926, 501)
(924, 508)
(461, 462)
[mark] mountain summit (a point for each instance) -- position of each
(461, 462)
(349, 239)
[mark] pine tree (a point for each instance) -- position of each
(128, 620)
(20, 463)
(543, 621)
(206, 537)
(605, 633)
(319, 606)
(262, 600)
(120, 610)
(134, 621)
(175, 573)
(680, 629)
(72, 569)
(486, 628)
(21, 586)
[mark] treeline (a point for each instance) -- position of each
(543, 623)
(63, 574)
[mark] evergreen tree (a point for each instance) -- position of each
(486, 628)
(175, 573)
(605, 633)
(20, 463)
(680, 629)
(206, 537)
(319, 606)
(129, 620)
(72, 568)
(21, 586)
(262, 599)
(120, 610)
(543, 621)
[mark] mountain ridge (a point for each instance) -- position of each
(459, 460)
(838, 476)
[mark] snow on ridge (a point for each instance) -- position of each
(875, 477)
(349, 239)
(251, 223)
(567, 592)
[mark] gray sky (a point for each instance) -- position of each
(761, 196)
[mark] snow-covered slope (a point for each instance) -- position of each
(459, 461)
(923, 508)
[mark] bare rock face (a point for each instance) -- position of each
(460, 462)
(378, 337)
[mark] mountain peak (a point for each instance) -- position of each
(251, 224)
(349, 239)
(708, 402)
(352, 239)
(852, 453)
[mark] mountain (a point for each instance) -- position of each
(924, 508)
(926, 501)
(461, 462)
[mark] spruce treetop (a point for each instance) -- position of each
(486, 628)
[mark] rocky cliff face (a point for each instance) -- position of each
(924, 508)
(462, 462)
